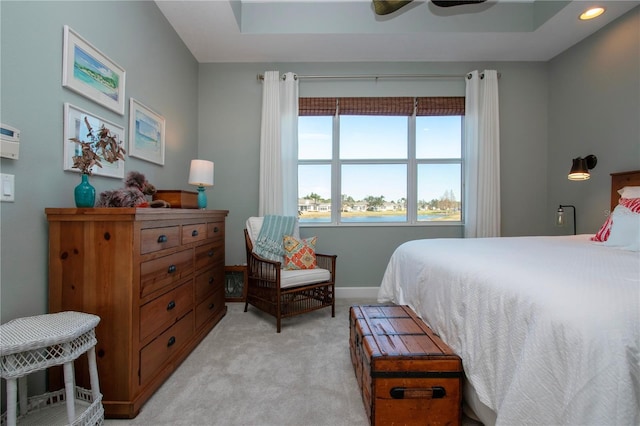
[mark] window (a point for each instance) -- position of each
(380, 160)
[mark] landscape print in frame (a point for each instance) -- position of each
(75, 127)
(146, 133)
(88, 71)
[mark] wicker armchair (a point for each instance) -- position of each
(283, 293)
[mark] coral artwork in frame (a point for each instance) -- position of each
(75, 127)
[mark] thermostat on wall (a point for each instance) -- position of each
(9, 142)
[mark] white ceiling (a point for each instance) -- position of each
(349, 30)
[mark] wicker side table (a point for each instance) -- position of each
(35, 343)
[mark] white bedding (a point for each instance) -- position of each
(547, 327)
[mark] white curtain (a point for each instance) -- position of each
(279, 145)
(482, 155)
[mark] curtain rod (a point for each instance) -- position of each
(375, 77)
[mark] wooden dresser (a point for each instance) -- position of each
(155, 277)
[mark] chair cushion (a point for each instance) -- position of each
(299, 253)
(296, 277)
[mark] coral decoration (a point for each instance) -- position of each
(132, 195)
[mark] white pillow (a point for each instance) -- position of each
(630, 192)
(625, 229)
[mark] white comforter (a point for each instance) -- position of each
(547, 327)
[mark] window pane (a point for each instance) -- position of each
(315, 137)
(439, 189)
(374, 193)
(439, 136)
(373, 137)
(314, 193)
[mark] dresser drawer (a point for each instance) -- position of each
(158, 273)
(155, 239)
(215, 230)
(209, 280)
(194, 233)
(160, 313)
(210, 254)
(154, 356)
(209, 306)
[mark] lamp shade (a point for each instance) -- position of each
(201, 173)
(579, 170)
(581, 166)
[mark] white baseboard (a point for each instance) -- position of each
(357, 292)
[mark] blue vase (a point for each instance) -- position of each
(84, 193)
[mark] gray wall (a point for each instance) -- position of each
(213, 112)
(584, 101)
(230, 103)
(160, 72)
(594, 108)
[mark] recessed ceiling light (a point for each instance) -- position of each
(594, 12)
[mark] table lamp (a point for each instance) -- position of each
(201, 175)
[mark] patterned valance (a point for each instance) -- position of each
(402, 106)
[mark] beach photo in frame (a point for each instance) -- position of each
(76, 127)
(146, 133)
(89, 72)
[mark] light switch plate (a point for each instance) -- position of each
(7, 187)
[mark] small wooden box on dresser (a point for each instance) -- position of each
(155, 277)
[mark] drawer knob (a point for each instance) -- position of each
(210, 253)
(171, 341)
(172, 269)
(194, 233)
(211, 305)
(162, 239)
(215, 229)
(171, 305)
(210, 280)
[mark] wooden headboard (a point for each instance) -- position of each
(619, 181)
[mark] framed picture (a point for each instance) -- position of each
(89, 72)
(235, 283)
(76, 127)
(146, 133)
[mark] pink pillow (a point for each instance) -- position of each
(603, 234)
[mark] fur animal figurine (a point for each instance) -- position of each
(132, 195)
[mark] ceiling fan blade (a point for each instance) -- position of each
(385, 7)
(449, 3)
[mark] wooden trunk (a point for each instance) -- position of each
(407, 374)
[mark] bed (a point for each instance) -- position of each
(548, 328)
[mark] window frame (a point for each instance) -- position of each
(411, 162)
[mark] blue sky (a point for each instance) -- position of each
(375, 138)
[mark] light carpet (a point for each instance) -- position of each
(244, 373)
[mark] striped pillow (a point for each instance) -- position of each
(632, 204)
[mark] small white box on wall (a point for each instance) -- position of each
(9, 142)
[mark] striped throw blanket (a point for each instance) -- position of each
(269, 242)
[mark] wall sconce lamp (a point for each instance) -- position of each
(560, 220)
(201, 175)
(581, 166)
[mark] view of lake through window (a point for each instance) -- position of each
(379, 169)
